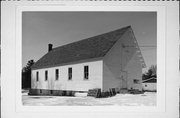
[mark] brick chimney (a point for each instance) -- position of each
(50, 47)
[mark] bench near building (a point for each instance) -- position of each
(110, 60)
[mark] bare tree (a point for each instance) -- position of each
(152, 72)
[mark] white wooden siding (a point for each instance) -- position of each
(78, 83)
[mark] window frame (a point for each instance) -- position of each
(70, 73)
(37, 76)
(46, 75)
(56, 74)
(86, 72)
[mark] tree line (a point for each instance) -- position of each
(152, 72)
(26, 75)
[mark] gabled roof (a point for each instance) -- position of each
(93, 47)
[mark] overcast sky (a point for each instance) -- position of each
(60, 28)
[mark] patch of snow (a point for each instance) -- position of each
(146, 99)
(77, 94)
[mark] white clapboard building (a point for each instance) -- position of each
(110, 60)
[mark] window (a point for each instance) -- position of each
(136, 81)
(86, 72)
(46, 75)
(57, 74)
(69, 73)
(37, 76)
(51, 91)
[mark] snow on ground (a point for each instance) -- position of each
(146, 99)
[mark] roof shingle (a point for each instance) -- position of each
(89, 48)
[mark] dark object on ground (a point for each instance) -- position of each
(135, 91)
(124, 91)
(98, 94)
(112, 91)
(94, 92)
(104, 94)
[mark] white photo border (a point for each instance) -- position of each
(167, 58)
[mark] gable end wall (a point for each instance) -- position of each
(121, 65)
